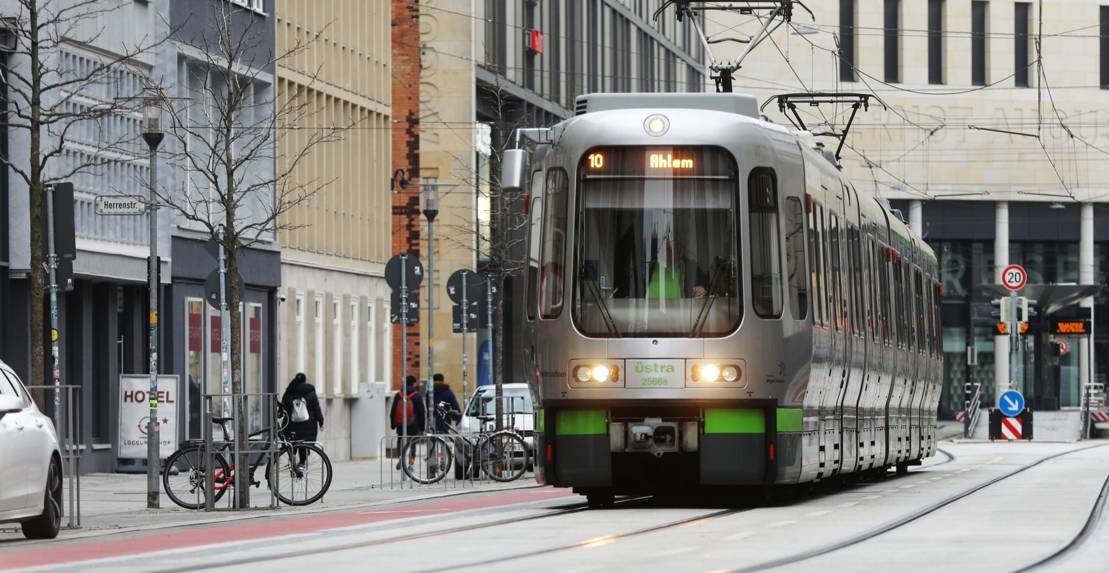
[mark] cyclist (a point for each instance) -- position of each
(413, 410)
(442, 394)
(305, 416)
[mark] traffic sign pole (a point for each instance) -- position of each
(404, 357)
(465, 325)
(1014, 277)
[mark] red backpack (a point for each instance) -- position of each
(409, 408)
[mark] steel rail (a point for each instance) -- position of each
(574, 508)
(900, 521)
(1083, 535)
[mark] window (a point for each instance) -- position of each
(892, 40)
(371, 341)
(766, 256)
(355, 356)
(256, 5)
(318, 351)
(847, 40)
(535, 214)
(1022, 21)
(301, 341)
(795, 259)
(935, 41)
(898, 301)
(554, 49)
(553, 246)
(814, 264)
(252, 364)
(838, 309)
(337, 345)
(194, 363)
(978, 17)
(1104, 54)
(918, 311)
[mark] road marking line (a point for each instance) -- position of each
(738, 536)
(873, 497)
(818, 513)
(848, 504)
(906, 486)
(783, 523)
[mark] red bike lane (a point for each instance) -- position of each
(61, 552)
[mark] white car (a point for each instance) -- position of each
(518, 412)
(31, 468)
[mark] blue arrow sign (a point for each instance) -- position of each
(1011, 403)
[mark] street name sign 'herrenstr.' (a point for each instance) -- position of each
(120, 205)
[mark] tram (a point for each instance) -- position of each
(710, 302)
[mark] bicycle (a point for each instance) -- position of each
(501, 455)
(301, 466)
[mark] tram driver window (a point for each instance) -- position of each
(766, 257)
(553, 246)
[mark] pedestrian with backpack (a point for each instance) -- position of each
(407, 414)
(302, 405)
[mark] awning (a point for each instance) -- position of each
(1049, 298)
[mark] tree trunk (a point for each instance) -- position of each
(234, 300)
(37, 216)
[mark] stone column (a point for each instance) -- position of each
(916, 217)
(1001, 260)
(1086, 277)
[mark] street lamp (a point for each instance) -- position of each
(152, 133)
(429, 204)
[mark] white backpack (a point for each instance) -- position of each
(300, 410)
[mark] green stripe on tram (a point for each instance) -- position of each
(734, 421)
(580, 423)
(789, 419)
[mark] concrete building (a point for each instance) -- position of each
(192, 350)
(333, 318)
(489, 67)
(994, 157)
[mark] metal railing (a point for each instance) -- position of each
(71, 442)
(246, 453)
(973, 409)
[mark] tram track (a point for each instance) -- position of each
(1083, 535)
(573, 508)
(929, 509)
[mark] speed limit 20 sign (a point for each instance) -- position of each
(1014, 277)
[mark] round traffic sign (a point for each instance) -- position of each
(1014, 277)
(1011, 403)
(412, 268)
(474, 286)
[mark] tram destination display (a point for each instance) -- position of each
(657, 161)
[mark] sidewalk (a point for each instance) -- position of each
(113, 503)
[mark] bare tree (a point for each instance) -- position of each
(502, 248)
(225, 136)
(59, 103)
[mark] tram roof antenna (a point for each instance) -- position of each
(788, 103)
(781, 12)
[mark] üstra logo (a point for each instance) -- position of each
(653, 368)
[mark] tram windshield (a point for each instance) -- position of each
(656, 250)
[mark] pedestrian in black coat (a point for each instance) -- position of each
(303, 431)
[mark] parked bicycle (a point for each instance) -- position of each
(500, 455)
(298, 473)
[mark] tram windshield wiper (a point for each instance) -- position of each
(714, 292)
(589, 278)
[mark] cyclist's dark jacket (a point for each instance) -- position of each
(443, 393)
(416, 424)
(305, 431)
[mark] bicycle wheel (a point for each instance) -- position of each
(184, 473)
(426, 459)
(503, 456)
(302, 474)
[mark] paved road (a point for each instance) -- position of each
(1011, 514)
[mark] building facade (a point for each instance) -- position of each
(333, 318)
(988, 145)
(489, 67)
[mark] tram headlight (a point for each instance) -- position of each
(730, 373)
(601, 373)
(583, 374)
(656, 125)
(708, 373)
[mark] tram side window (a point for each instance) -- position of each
(918, 315)
(871, 281)
(535, 214)
(825, 272)
(835, 261)
(795, 259)
(937, 293)
(814, 264)
(553, 248)
(899, 304)
(855, 279)
(766, 256)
